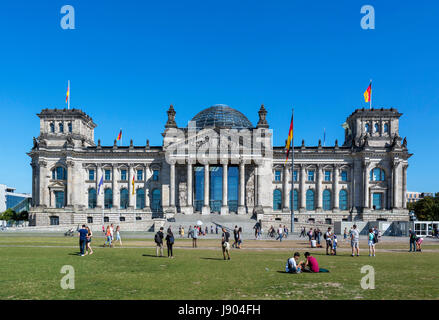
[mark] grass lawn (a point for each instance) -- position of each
(135, 273)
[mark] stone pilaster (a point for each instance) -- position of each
(319, 190)
(335, 188)
(206, 204)
(225, 205)
(70, 183)
(116, 191)
(190, 208)
(302, 198)
(241, 206)
(131, 188)
(366, 176)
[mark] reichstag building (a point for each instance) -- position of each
(219, 163)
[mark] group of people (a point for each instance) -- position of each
(415, 241)
(85, 235)
(280, 233)
(109, 233)
(310, 264)
(158, 239)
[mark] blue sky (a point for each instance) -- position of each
(129, 60)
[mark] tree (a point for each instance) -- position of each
(426, 209)
(8, 215)
(23, 216)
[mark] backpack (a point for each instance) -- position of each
(325, 237)
(157, 238)
(171, 239)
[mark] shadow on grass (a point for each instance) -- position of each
(212, 258)
(152, 255)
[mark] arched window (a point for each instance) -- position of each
(377, 174)
(277, 199)
(310, 203)
(59, 173)
(377, 127)
(140, 199)
(386, 128)
(343, 200)
(61, 127)
(296, 200)
(92, 198)
(367, 128)
(156, 200)
(326, 200)
(108, 198)
(52, 127)
(124, 199)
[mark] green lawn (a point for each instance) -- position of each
(135, 273)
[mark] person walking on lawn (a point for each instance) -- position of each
(83, 233)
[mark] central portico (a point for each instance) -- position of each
(214, 162)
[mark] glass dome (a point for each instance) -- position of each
(221, 116)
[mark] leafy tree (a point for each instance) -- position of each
(426, 209)
(23, 216)
(8, 215)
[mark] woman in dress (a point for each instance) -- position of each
(118, 235)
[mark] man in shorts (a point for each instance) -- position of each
(225, 244)
(355, 240)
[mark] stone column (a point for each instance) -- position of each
(70, 184)
(335, 189)
(225, 205)
(100, 194)
(172, 185)
(319, 188)
(206, 205)
(116, 191)
(302, 197)
(131, 188)
(146, 187)
(260, 183)
(285, 193)
(241, 202)
(366, 196)
(404, 186)
(190, 208)
(43, 184)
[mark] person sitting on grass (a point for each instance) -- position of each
(311, 264)
(292, 264)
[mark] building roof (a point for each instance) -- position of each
(221, 116)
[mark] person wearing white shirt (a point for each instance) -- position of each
(291, 266)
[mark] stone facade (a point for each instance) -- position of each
(364, 179)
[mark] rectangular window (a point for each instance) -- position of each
(378, 201)
(139, 175)
(277, 175)
(91, 174)
(344, 175)
(106, 219)
(311, 174)
(107, 175)
(155, 175)
(295, 175)
(122, 219)
(89, 219)
(123, 174)
(54, 221)
(327, 175)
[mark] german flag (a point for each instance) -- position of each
(290, 138)
(133, 185)
(68, 92)
(119, 136)
(368, 93)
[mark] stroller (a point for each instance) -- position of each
(69, 233)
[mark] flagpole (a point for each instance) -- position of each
(68, 98)
(292, 179)
(370, 107)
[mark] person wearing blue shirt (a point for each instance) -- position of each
(83, 232)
